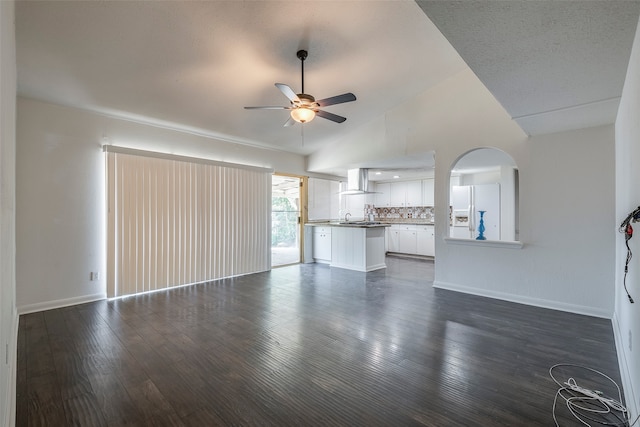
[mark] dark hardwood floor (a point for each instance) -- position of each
(302, 345)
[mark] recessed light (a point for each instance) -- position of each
(378, 173)
(396, 176)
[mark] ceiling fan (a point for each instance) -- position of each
(304, 107)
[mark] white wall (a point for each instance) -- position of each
(8, 314)
(459, 114)
(60, 194)
(566, 196)
(626, 320)
(566, 218)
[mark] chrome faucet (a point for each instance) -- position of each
(346, 217)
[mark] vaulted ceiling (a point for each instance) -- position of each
(195, 65)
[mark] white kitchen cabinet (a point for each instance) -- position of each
(383, 193)
(322, 244)
(407, 240)
(405, 193)
(414, 193)
(411, 239)
(393, 239)
(402, 239)
(428, 194)
(425, 240)
(397, 194)
(318, 202)
(323, 199)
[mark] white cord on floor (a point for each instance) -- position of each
(591, 405)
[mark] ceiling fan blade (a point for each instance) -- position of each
(268, 107)
(289, 122)
(339, 99)
(288, 92)
(330, 116)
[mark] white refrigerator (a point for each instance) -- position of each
(467, 201)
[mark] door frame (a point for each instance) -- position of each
(303, 213)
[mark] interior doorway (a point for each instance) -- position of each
(286, 218)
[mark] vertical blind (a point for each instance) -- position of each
(174, 221)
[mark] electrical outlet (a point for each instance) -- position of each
(94, 275)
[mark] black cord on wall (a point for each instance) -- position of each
(627, 229)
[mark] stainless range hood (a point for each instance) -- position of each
(357, 182)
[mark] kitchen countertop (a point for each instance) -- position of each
(355, 224)
(365, 223)
(408, 223)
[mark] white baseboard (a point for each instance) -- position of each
(50, 305)
(631, 402)
(537, 302)
(9, 418)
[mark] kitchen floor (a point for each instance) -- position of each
(303, 345)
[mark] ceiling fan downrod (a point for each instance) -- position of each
(302, 55)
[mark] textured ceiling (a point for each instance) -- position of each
(553, 65)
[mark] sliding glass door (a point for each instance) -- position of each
(174, 220)
(285, 220)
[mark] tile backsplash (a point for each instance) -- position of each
(424, 213)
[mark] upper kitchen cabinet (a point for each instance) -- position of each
(397, 193)
(383, 194)
(405, 193)
(324, 199)
(428, 194)
(414, 193)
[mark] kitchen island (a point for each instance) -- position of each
(356, 245)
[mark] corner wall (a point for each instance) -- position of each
(60, 201)
(8, 314)
(626, 320)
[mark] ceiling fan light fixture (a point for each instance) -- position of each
(302, 114)
(304, 107)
